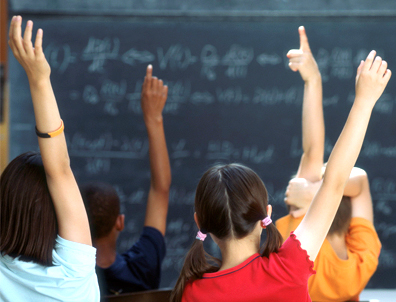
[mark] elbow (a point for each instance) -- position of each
(59, 169)
(162, 187)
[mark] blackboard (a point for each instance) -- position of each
(232, 98)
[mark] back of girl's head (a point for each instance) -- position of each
(230, 200)
(27, 216)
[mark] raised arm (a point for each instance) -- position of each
(371, 80)
(313, 130)
(154, 95)
(70, 211)
(358, 189)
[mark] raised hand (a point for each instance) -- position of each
(154, 95)
(31, 58)
(302, 59)
(371, 79)
(299, 194)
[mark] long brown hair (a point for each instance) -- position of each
(27, 215)
(229, 201)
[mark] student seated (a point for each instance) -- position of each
(45, 242)
(231, 205)
(349, 254)
(140, 267)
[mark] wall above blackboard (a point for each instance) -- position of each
(208, 7)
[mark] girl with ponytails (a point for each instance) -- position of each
(231, 206)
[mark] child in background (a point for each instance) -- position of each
(231, 206)
(349, 254)
(140, 267)
(45, 241)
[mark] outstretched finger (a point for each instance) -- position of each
(360, 68)
(38, 43)
(27, 38)
(369, 60)
(149, 71)
(15, 35)
(149, 79)
(304, 45)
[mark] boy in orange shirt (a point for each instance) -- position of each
(349, 255)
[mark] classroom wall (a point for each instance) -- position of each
(3, 86)
(232, 98)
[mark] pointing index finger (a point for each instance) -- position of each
(304, 45)
(149, 71)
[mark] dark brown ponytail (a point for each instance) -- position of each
(273, 242)
(196, 263)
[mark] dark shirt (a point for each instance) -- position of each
(137, 269)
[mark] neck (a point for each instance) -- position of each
(236, 251)
(337, 242)
(105, 251)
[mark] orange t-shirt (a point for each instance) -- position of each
(337, 279)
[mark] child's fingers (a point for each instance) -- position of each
(294, 66)
(387, 75)
(304, 45)
(376, 64)
(359, 69)
(369, 60)
(16, 34)
(154, 83)
(149, 71)
(295, 59)
(27, 38)
(383, 67)
(165, 91)
(294, 53)
(38, 43)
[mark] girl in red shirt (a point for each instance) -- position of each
(231, 205)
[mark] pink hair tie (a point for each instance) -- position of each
(201, 236)
(266, 221)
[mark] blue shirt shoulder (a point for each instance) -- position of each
(137, 269)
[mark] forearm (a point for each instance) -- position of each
(53, 150)
(347, 148)
(159, 158)
(313, 131)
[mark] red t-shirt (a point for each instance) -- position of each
(281, 277)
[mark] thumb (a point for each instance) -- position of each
(304, 45)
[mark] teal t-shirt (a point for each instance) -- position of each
(71, 278)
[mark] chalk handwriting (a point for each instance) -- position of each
(99, 51)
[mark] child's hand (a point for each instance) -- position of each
(371, 79)
(302, 59)
(154, 94)
(299, 194)
(31, 58)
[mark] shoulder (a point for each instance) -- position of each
(293, 259)
(362, 237)
(77, 259)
